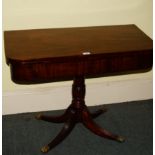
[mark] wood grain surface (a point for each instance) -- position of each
(45, 55)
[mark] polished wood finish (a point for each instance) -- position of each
(75, 113)
(46, 55)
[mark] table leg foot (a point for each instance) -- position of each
(96, 129)
(120, 139)
(38, 116)
(45, 149)
(54, 119)
(67, 128)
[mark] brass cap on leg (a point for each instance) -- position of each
(38, 116)
(120, 139)
(45, 149)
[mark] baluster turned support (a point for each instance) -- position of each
(77, 112)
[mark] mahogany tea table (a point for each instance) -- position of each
(59, 54)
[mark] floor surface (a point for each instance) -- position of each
(23, 135)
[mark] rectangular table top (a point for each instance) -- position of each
(51, 43)
(41, 55)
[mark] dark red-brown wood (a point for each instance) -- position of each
(75, 113)
(39, 56)
(46, 55)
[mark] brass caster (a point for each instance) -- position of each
(120, 139)
(45, 149)
(38, 116)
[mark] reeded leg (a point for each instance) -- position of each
(92, 126)
(98, 112)
(67, 128)
(54, 119)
